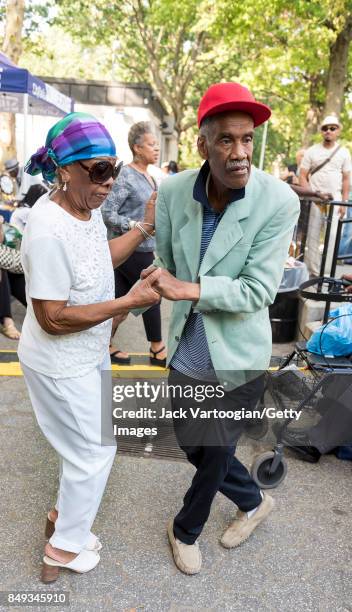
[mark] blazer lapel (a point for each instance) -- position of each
(227, 234)
(190, 237)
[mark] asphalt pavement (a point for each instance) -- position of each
(300, 559)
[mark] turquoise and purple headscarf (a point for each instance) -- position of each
(76, 136)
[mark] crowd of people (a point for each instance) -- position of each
(320, 174)
(96, 246)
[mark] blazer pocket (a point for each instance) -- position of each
(233, 262)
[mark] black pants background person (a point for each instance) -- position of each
(126, 276)
(10, 284)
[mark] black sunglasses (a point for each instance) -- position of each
(102, 171)
(330, 128)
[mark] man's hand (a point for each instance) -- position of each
(145, 293)
(348, 277)
(170, 287)
(323, 196)
(342, 211)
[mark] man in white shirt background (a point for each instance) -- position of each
(326, 167)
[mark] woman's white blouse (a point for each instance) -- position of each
(65, 259)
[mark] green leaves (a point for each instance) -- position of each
(280, 49)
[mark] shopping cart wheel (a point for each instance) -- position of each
(262, 472)
(257, 428)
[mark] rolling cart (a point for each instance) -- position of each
(301, 388)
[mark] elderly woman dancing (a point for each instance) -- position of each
(64, 347)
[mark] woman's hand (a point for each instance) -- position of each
(56, 318)
(121, 248)
(143, 293)
(2, 235)
(149, 214)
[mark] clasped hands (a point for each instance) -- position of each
(170, 287)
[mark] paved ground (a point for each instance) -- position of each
(299, 560)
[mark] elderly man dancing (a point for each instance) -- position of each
(222, 236)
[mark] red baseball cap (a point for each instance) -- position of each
(223, 97)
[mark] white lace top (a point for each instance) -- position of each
(65, 259)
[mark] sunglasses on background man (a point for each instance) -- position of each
(330, 128)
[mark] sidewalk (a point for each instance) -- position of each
(299, 560)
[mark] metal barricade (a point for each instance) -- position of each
(324, 242)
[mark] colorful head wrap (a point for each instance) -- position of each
(76, 136)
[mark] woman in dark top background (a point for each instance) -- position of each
(122, 209)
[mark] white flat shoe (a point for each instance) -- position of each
(93, 542)
(84, 562)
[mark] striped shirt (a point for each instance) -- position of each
(192, 356)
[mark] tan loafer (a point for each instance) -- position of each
(187, 557)
(242, 526)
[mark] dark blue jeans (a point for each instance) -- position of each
(210, 447)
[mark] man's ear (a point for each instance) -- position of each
(202, 147)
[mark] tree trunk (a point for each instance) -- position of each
(12, 47)
(311, 126)
(335, 84)
(314, 111)
(338, 70)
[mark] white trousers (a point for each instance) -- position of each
(312, 258)
(69, 413)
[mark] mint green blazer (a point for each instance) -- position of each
(241, 269)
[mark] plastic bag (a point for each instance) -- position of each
(13, 236)
(335, 338)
